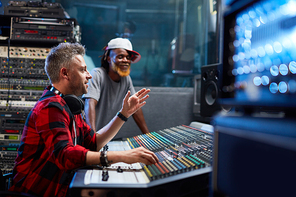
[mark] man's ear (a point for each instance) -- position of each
(64, 73)
(109, 59)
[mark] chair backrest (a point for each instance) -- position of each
(5, 180)
(5, 183)
(2, 182)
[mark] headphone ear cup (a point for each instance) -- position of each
(74, 103)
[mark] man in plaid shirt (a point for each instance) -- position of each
(56, 140)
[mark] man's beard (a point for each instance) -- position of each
(77, 90)
(117, 69)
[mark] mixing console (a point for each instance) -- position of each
(185, 157)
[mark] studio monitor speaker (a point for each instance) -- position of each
(209, 90)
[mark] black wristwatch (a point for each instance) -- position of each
(122, 117)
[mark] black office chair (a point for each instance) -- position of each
(5, 183)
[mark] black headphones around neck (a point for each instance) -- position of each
(74, 103)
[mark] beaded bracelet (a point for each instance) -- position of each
(103, 159)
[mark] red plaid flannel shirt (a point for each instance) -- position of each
(47, 154)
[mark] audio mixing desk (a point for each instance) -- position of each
(184, 153)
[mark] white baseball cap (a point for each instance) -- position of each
(124, 43)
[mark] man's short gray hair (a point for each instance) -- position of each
(61, 56)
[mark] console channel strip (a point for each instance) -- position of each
(8, 154)
(185, 157)
(11, 125)
(34, 9)
(50, 30)
(11, 128)
(22, 77)
(23, 63)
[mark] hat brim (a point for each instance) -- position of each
(135, 56)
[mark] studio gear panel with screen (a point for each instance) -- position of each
(25, 42)
(258, 78)
(259, 55)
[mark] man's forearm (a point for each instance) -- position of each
(93, 158)
(105, 134)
